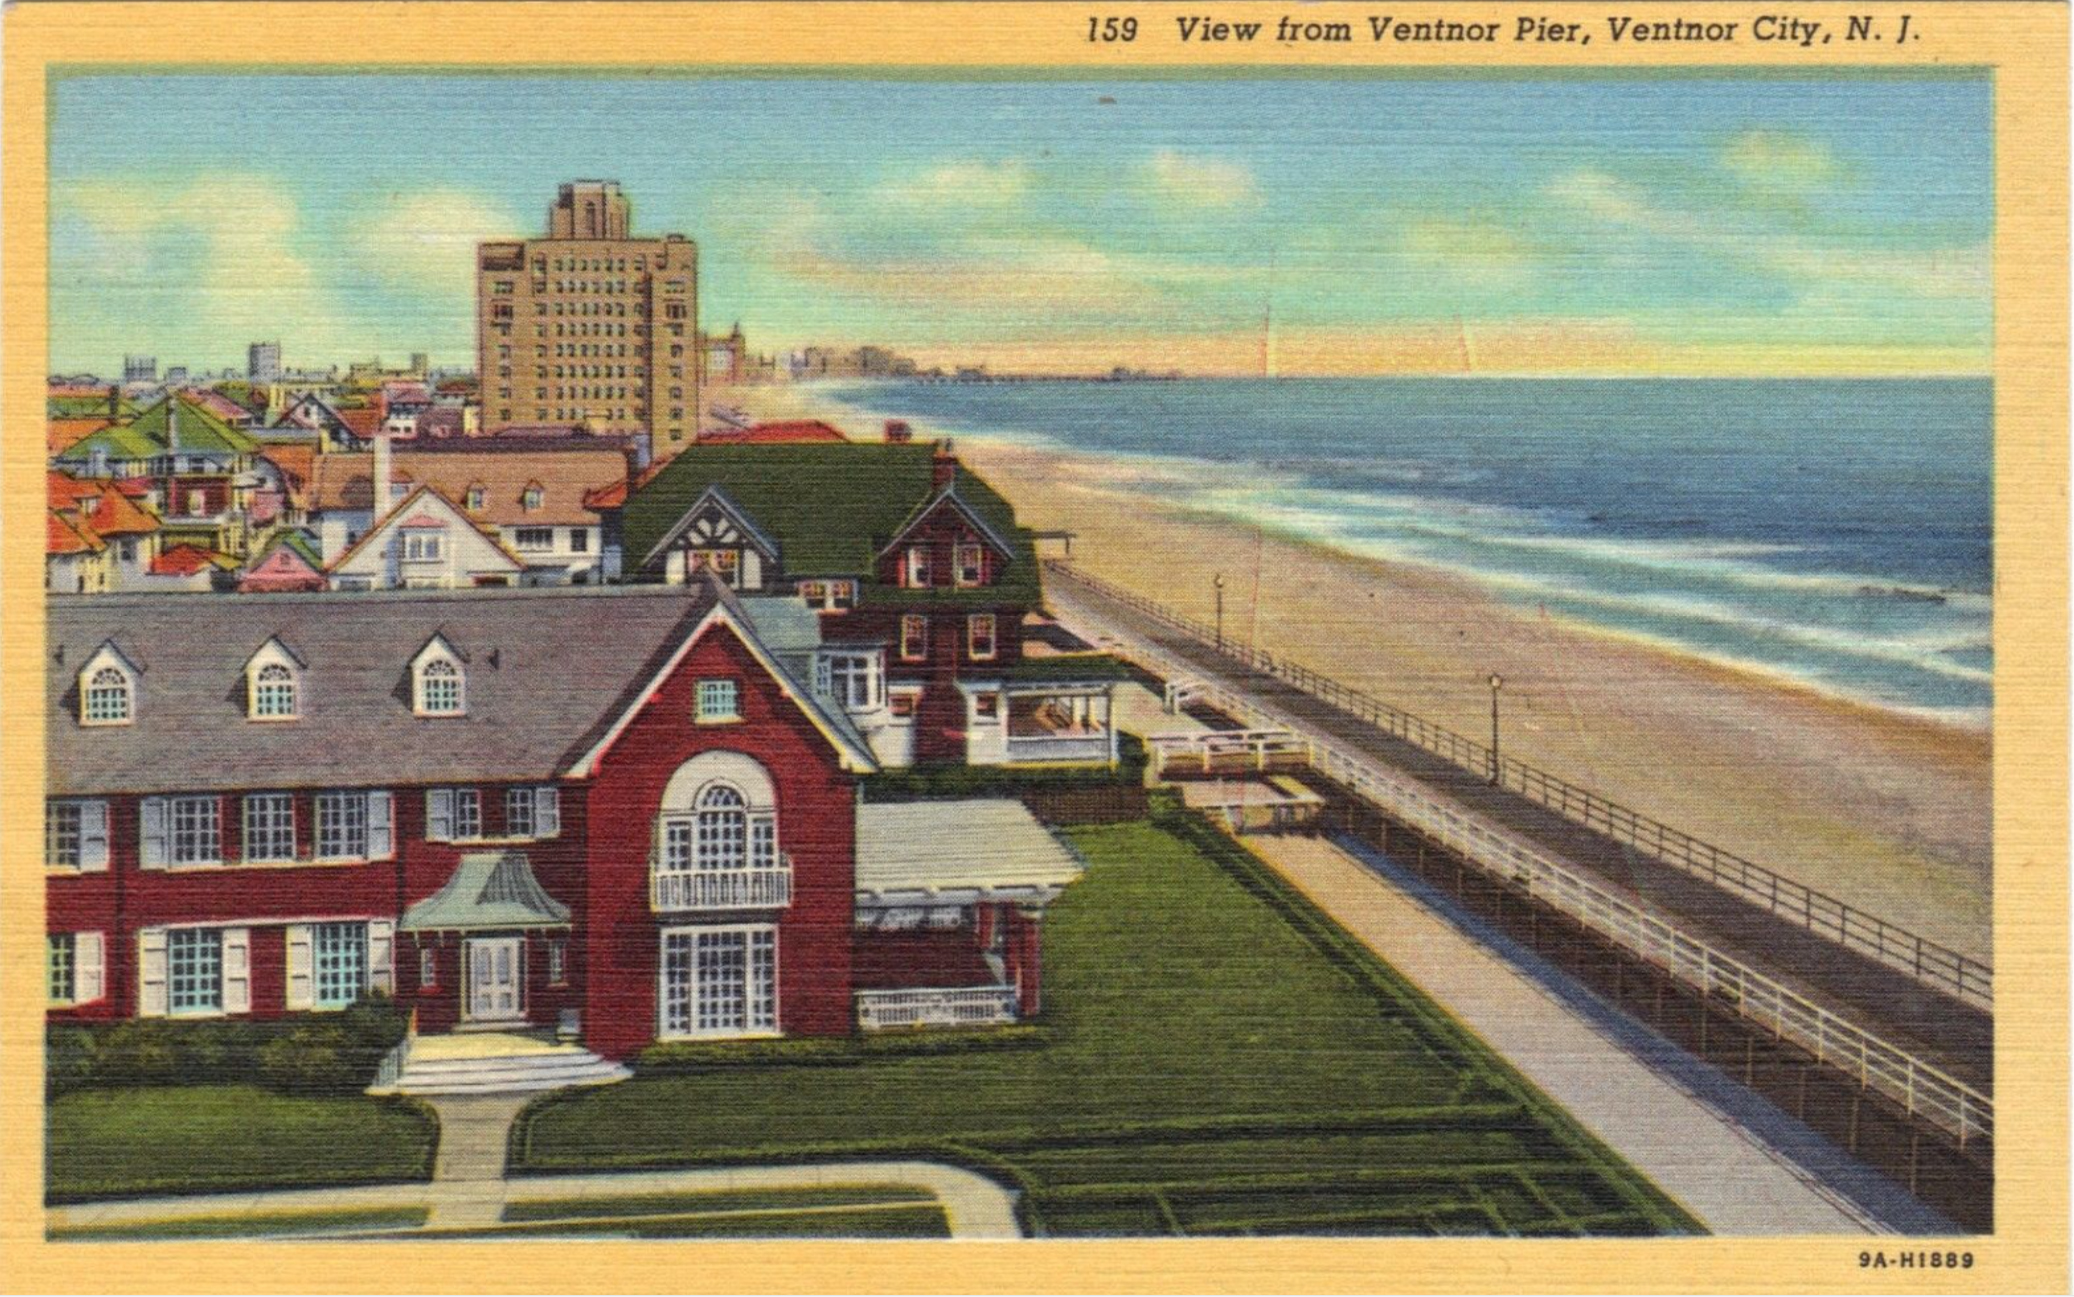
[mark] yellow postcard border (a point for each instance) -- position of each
(2024, 45)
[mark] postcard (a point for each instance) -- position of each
(1035, 647)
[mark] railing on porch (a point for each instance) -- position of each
(1075, 747)
(1225, 751)
(721, 889)
(936, 1006)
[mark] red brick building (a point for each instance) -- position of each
(624, 813)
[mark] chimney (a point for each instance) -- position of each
(944, 468)
(114, 403)
(381, 476)
(173, 421)
(898, 433)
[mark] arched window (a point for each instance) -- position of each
(273, 693)
(722, 832)
(723, 829)
(108, 700)
(441, 689)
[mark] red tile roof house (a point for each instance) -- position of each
(619, 813)
(102, 535)
(532, 499)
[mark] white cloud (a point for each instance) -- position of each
(963, 184)
(1201, 182)
(424, 241)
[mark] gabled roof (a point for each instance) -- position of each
(146, 435)
(61, 434)
(550, 672)
(566, 477)
(64, 536)
(488, 889)
(296, 542)
(949, 498)
(298, 465)
(426, 507)
(717, 498)
(186, 560)
(363, 421)
(776, 431)
(98, 509)
(831, 507)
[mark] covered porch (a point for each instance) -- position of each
(489, 951)
(950, 908)
(1049, 709)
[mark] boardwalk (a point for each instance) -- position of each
(1727, 1156)
(1955, 1036)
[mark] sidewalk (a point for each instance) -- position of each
(1728, 1157)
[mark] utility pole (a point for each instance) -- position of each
(1218, 581)
(1497, 683)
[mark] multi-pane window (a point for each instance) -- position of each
(918, 565)
(194, 968)
(423, 546)
(723, 828)
(428, 967)
(342, 826)
(62, 835)
(723, 563)
(533, 539)
(579, 540)
(439, 689)
(273, 692)
(979, 636)
(557, 961)
(719, 700)
(914, 637)
(107, 697)
(197, 831)
(269, 826)
(467, 814)
(518, 813)
(339, 954)
(971, 564)
(63, 970)
(720, 982)
(853, 680)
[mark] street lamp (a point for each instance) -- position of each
(1218, 581)
(1497, 683)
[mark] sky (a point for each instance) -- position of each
(1403, 224)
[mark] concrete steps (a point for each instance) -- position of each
(427, 1072)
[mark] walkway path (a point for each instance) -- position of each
(1731, 1159)
(469, 1189)
(1958, 1037)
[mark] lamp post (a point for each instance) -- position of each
(1218, 581)
(1497, 683)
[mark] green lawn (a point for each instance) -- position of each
(1220, 1059)
(217, 1138)
(271, 1224)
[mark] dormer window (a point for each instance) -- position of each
(108, 698)
(439, 684)
(107, 688)
(478, 499)
(440, 689)
(532, 498)
(918, 566)
(273, 693)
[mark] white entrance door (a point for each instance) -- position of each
(493, 978)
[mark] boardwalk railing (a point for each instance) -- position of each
(1920, 1087)
(1926, 961)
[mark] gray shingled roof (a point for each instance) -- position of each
(548, 670)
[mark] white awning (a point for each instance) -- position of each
(958, 853)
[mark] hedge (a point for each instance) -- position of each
(935, 781)
(681, 1056)
(331, 1053)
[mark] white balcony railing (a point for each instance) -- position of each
(1074, 747)
(936, 1006)
(721, 889)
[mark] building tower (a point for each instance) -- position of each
(590, 325)
(263, 362)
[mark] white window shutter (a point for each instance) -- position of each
(89, 964)
(152, 833)
(547, 812)
(93, 837)
(381, 955)
(301, 978)
(439, 815)
(151, 973)
(381, 831)
(237, 970)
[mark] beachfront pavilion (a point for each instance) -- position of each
(950, 907)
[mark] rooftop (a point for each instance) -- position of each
(953, 852)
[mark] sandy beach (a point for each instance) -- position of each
(1885, 811)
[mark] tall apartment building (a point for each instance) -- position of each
(140, 369)
(263, 362)
(590, 325)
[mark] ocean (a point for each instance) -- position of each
(1835, 533)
